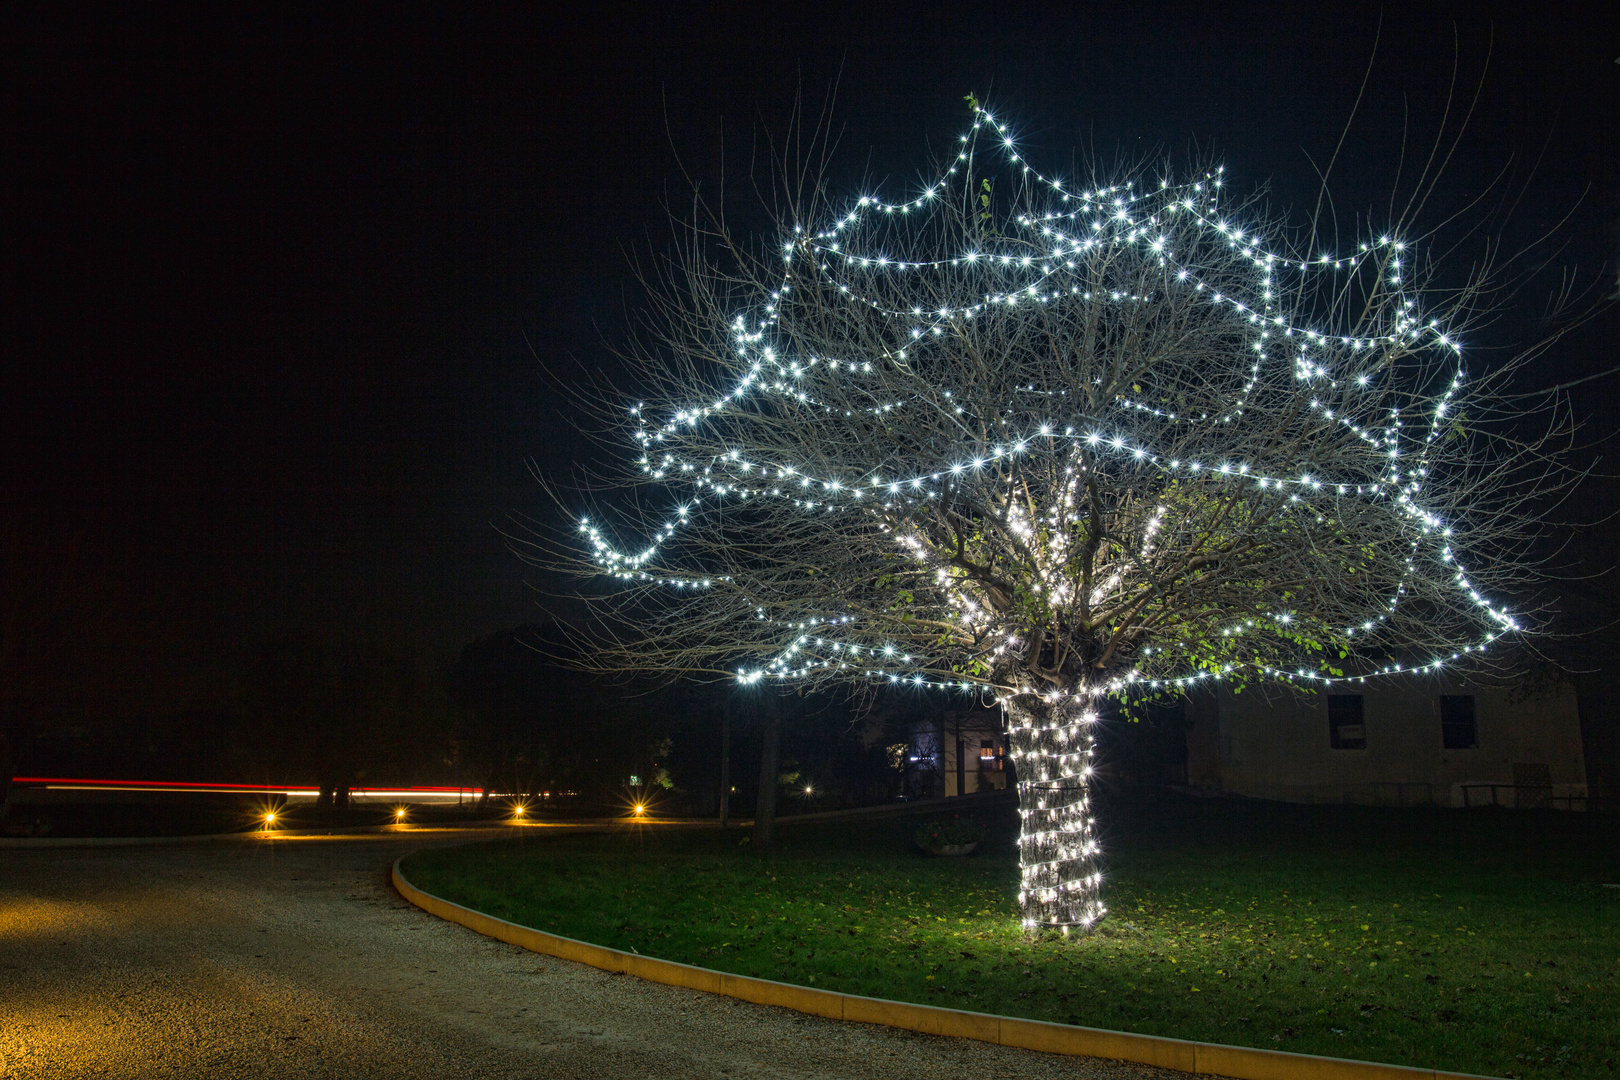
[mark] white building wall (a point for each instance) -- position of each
(1280, 748)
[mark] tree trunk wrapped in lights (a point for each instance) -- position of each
(1049, 737)
(1047, 443)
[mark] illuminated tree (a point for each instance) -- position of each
(1048, 442)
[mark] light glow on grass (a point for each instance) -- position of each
(1431, 939)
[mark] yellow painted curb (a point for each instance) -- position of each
(1239, 1062)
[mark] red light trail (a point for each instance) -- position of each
(293, 793)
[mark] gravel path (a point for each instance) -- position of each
(296, 958)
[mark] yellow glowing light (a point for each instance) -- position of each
(640, 809)
(808, 790)
(270, 818)
(399, 815)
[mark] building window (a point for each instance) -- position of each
(1346, 728)
(987, 754)
(1458, 729)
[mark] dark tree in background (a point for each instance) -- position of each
(530, 721)
(352, 710)
(1046, 441)
(530, 724)
(49, 613)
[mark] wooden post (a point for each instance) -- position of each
(769, 769)
(961, 758)
(725, 766)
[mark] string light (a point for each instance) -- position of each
(1333, 383)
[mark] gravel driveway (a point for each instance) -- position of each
(295, 958)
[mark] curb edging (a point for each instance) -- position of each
(1239, 1062)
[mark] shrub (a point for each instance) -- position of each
(955, 832)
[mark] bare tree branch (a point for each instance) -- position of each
(1047, 442)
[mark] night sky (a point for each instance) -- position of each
(278, 281)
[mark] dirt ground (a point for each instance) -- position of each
(296, 958)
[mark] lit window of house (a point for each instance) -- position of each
(987, 754)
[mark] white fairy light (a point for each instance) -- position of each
(890, 455)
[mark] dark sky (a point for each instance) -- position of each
(273, 274)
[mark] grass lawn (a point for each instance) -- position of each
(1480, 942)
